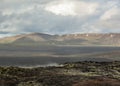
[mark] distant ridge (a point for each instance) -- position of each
(112, 39)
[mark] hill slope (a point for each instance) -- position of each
(68, 39)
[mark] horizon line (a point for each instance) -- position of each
(28, 33)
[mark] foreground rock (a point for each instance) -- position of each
(69, 74)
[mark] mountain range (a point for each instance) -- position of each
(112, 39)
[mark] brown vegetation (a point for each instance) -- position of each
(98, 82)
(70, 74)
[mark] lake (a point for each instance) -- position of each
(54, 55)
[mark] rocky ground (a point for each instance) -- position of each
(67, 74)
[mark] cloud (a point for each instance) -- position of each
(59, 16)
(107, 19)
(8, 12)
(71, 8)
(92, 28)
(110, 19)
(5, 35)
(110, 13)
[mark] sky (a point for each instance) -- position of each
(59, 16)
